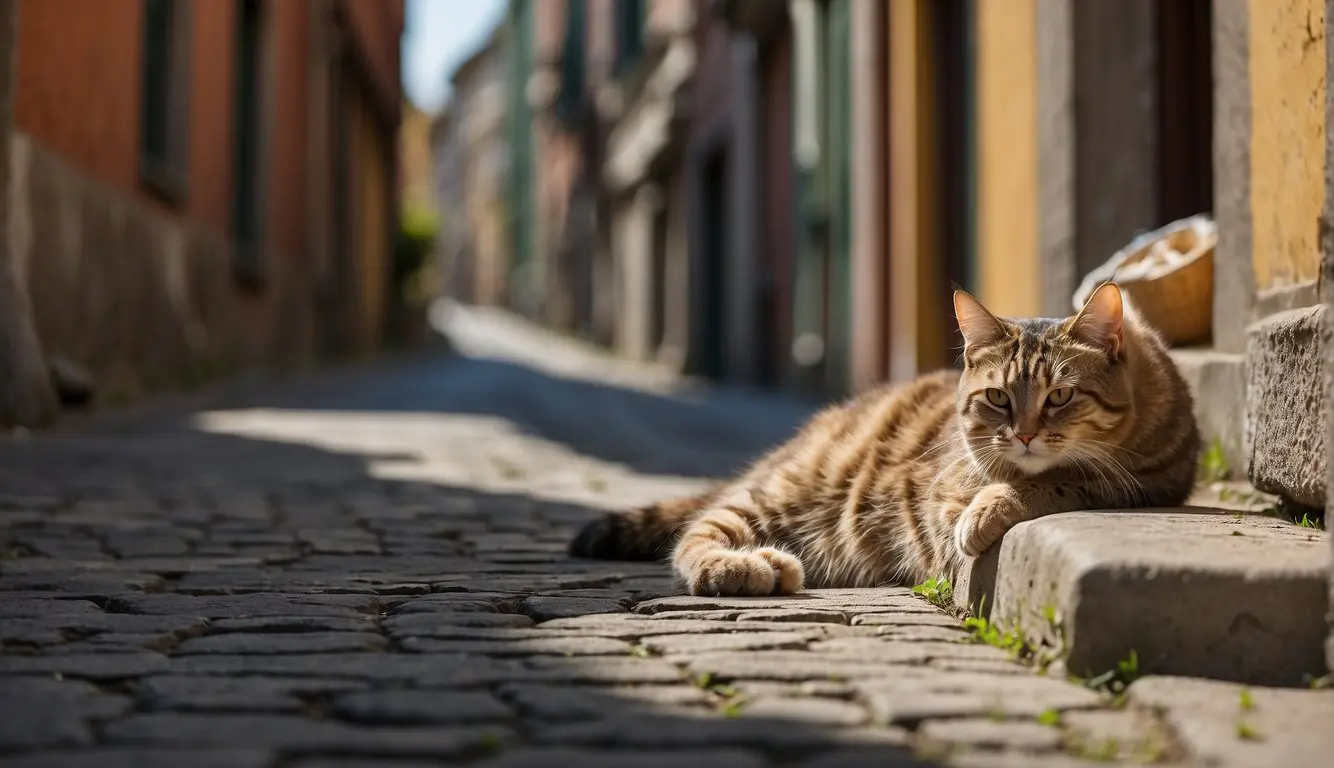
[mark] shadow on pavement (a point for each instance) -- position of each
(171, 596)
(705, 433)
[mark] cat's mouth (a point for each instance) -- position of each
(1031, 460)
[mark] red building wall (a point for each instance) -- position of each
(77, 83)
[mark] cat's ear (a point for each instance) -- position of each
(978, 326)
(1099, 323)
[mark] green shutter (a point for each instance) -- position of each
(522, 210)
(629, 33)
(572, 62)
(837, 169)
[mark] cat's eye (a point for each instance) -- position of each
(998, 398)
(1061, 396)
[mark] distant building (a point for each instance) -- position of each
(205, 185)
(416, 162)
(472, 151)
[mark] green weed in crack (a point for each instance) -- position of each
(1213, 463)
(939, 592)
(985, 632)
(729, 700)
(1245, 704)
(1115, 681)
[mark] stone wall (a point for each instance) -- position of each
(142, 300)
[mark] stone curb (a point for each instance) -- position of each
(1192, 591)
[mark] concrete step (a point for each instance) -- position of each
(1193, 591)
(1217, 382)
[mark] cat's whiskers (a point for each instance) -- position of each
(1107, 445)
(1085, 465)
(1116, 474)
(965, 440)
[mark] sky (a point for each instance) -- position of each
(440, 34)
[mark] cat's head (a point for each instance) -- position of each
(1044, 392)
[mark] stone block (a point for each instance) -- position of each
(1192, 591)
(1285, 406)
(1216, 725)
(975, 583)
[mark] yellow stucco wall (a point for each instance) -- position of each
(1007, 183)
(1287, 69)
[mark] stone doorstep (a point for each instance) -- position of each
(1194, 591)
(1285, 406)
(1217, 382)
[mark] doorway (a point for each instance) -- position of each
(1185, 109)
(711, 360)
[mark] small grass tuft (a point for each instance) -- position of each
(1246, 732)
(1245, 700)
(1115, 681)
(1213, 463)
(1306, 521)
(939, 592)
(507, 470)
(1105, 751)
(1050, 717)
(1303, 517)
(729, 700)
(984, 632)
(641, 651)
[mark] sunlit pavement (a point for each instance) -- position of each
(369, 569)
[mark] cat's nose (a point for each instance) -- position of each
(1025, 437)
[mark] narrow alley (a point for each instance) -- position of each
(369, 567)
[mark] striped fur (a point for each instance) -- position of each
(907, 482)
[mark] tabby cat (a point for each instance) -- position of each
(906, 483)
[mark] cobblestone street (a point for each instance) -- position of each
(369, 568)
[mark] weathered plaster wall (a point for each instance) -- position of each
(1287, 75)
(143, 299)
(1007, 156)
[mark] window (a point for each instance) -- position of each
(629, 33)
(247, 183)
(163, 121)
(572, 63)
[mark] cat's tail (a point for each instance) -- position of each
(647, 533)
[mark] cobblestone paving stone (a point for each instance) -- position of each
(369, 569)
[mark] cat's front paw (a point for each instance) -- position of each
(756, 573)
(994, 510)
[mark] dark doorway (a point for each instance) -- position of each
(247, 155)
(952, 48)
(1186, 109)
(712, 356)
(336, 298)
(658, 312)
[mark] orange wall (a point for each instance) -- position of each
(376, 26)
(211, 75)
(77, 82)
(1007, 155)
(287, 150)
(78, 94)
(1287, 66)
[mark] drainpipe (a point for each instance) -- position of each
(808, 294)
(744, 173)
